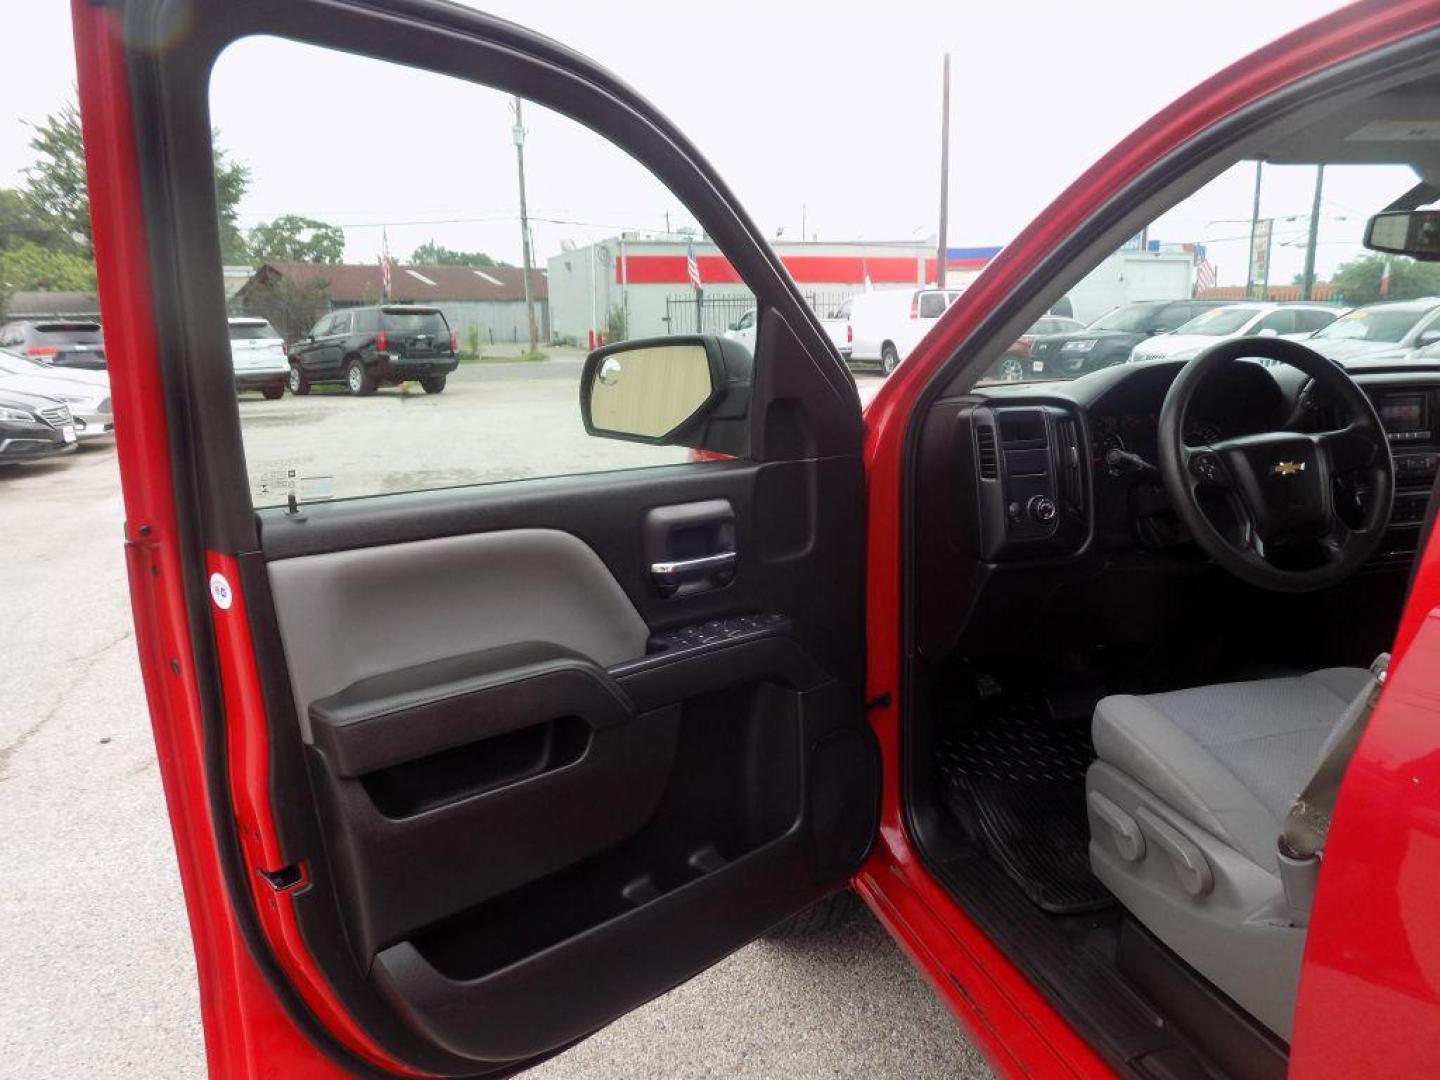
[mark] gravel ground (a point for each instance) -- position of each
(96, 971)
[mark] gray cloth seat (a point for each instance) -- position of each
(1187, 800)
(1231, 757)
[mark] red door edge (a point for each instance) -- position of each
(894, 876)
(247, 738)
(247, 1032)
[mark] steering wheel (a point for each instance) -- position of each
(1279, 484)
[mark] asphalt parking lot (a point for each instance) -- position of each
(96, 970)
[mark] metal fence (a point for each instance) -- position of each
(716, 314)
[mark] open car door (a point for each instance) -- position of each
(459, 775)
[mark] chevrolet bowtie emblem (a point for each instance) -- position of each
(1287, 468)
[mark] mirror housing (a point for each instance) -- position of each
(1427, 337)
(1267, 332)
(688, 390)
(1415, 233)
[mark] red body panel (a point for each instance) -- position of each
(1020, 1030)
(246, 1032)
(1366, 997)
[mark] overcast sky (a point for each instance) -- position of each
(812, 113)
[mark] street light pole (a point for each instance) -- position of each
(941, 252)
(518, 133)
(1307, 286)
(1254, 230)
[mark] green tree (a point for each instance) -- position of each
(57, 197)
(1358, 281)
(616, 324)
(28, 265)
(297, 239)
(433, 254)
(291, 306)
(55, 184)
(18, 223)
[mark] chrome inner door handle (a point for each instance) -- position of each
(677, 572)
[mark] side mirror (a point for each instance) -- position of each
(1405, 232)
(688, 390)
(1428, 337)
(1155, 331)
(1267, 332)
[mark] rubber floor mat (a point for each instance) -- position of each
(1015, 777)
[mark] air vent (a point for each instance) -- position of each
(989, 460)
(1072, 482)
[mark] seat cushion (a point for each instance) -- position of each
(1230, 757)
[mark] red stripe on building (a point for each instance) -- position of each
(805, 269)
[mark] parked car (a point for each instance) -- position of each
(1393, 327)
(368, 347)
(837, 327)
(887, 324)
(72, 343)
(86, 393)
(257, 353)
(1016, 363)
(743, 329)
(1110, 338)
(836, 324)
(1235, 320)
(33, 426)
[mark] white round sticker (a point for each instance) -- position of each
(220, 592)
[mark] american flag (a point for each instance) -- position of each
(692, 268)
(1204, 270)
(384, 265)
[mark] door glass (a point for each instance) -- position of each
(932, 305)
(415, 231)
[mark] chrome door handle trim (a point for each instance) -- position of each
(681, 570)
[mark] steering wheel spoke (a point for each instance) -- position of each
(1347, 449)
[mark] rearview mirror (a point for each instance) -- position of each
(691, 390)
(1415, 233)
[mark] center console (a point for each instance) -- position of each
(1032, 481)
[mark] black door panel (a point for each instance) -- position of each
(550, 811)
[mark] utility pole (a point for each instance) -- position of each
(1307, 283)
(518, 133)
(940, 245)
(1254, 228)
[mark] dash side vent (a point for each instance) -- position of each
(989, 458)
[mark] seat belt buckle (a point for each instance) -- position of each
(1299, 876)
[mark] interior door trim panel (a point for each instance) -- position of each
(408, 603)
(525, 758)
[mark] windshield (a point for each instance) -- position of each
(1217, 322)
(1131, 320)
(424, 321)
(1373, 324)
(252, 331)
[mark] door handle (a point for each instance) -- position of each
(673, 573)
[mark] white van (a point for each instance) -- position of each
(887, 324)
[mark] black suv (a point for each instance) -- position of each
(366, 347)
(73, 343)
(1109, 339)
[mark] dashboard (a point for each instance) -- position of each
(1062, 469)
